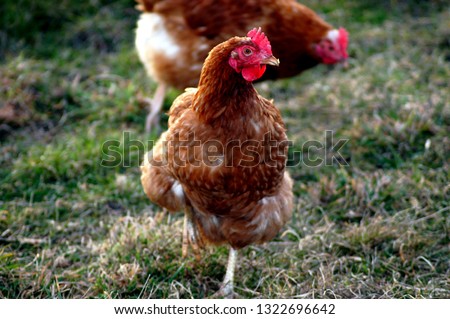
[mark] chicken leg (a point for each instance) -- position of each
(227, 288)
(155, 106)
(190, 234)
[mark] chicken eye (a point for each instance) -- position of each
(247, 51)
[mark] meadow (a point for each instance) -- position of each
(73, 228)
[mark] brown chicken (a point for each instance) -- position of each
(173, 38)
(222, 159)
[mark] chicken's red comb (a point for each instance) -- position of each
(259, 38)
(343, 40)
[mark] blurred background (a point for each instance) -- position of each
(70, 80)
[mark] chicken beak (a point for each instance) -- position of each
(271, 60)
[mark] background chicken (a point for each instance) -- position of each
(173, 38)
(230, 196)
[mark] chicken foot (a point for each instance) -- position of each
(191, 237)
(155, 106)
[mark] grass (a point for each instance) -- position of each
(71, 228)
